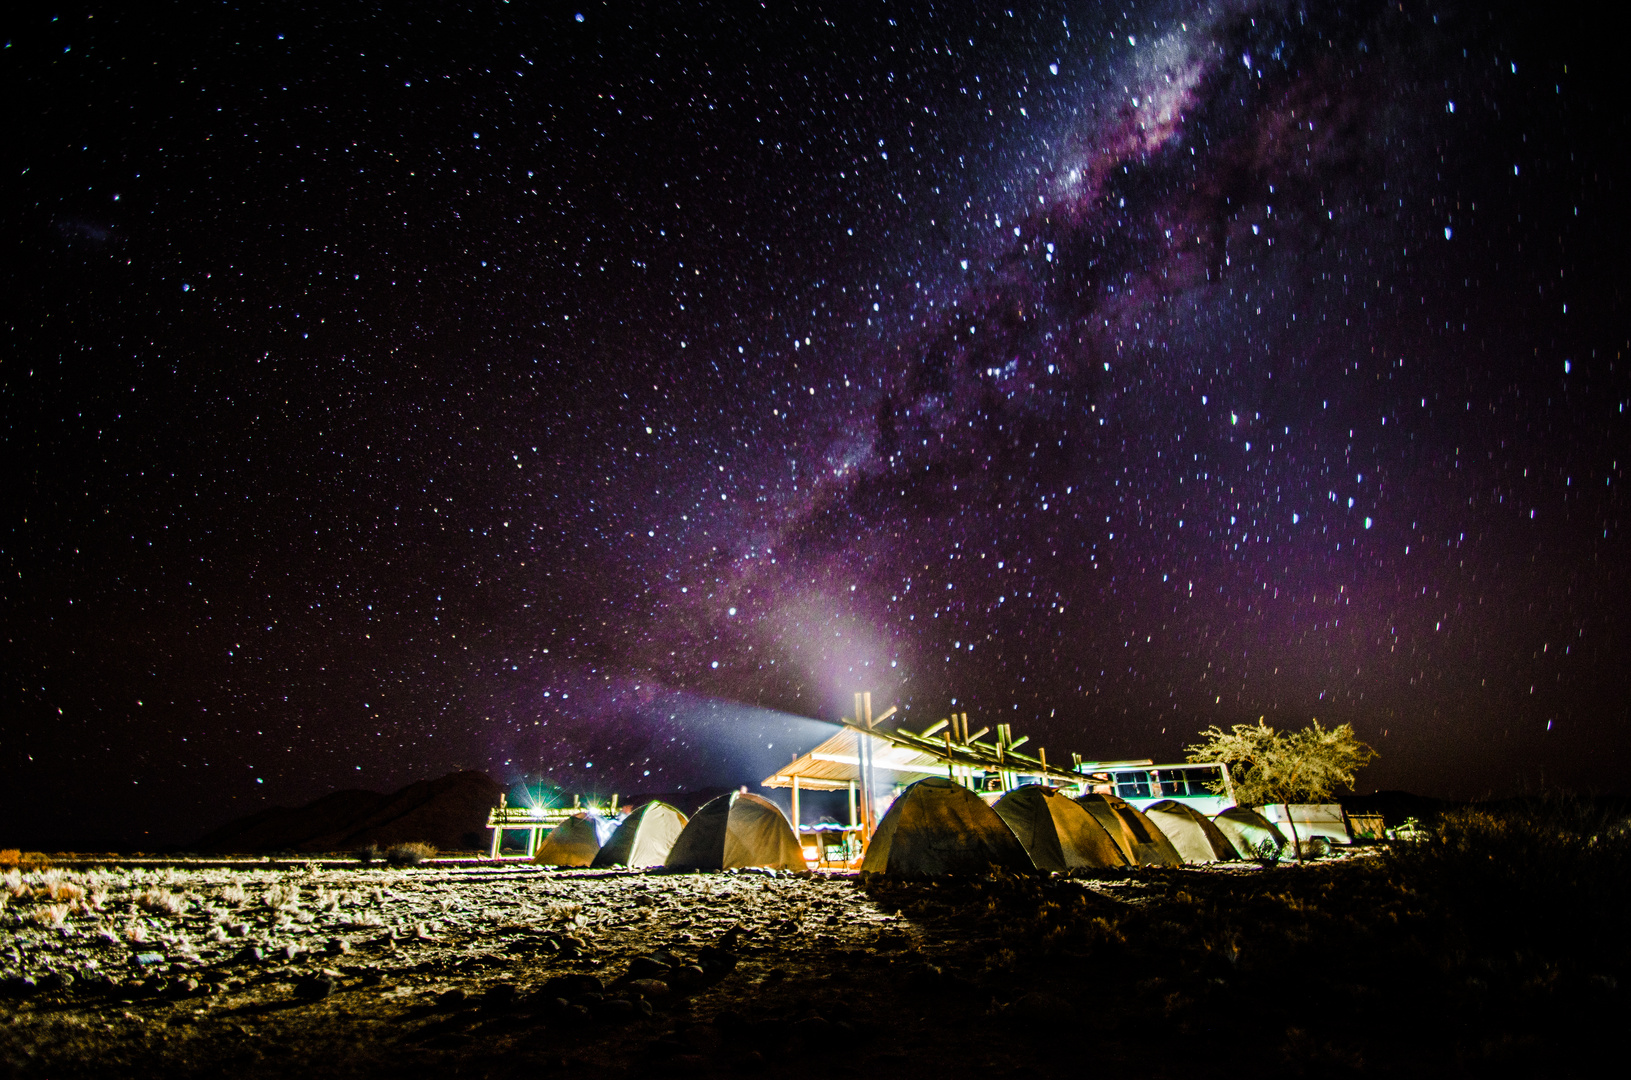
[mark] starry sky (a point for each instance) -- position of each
(607, 392)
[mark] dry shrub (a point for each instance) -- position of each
(1505, 875)
(282, 897)
(51, 915)
(411, 853)
(160, 901)
(235, 895)
(56, 885)
(10, 856)
(12, 882)
(563, 912)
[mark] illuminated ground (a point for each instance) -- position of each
(1324, 969)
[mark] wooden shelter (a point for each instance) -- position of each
(870, 760)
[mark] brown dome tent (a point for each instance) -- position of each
(1249, 831)
(645, 838)
(1055, 832)
(1191, 832)
(736, 830)
(1141, 842)
(939, 827)
(574, 842)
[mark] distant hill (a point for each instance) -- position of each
(449, 812)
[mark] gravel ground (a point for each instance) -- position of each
(359, 970)
(1340, 967)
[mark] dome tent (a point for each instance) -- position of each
(1056, 832)
(574, 842)
(1249, 831)
(1191, 832)
(939, 827)
(1142, 843)
(645, 837)
(733, 831)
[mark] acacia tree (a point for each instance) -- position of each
(1268, 766)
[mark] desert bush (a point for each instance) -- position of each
(282, 897)
(56, 885)
(368, 853)
(10, 857)
(160, 901)
(411, 853)
(235, 895)
(1548, 875)
(12, 882)
(51, 915)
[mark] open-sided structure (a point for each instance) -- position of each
(645, 838)
(1057, 833)
(1191, 832)
(574, 842)
(1141, 842)
(876, 763)
(1252, 834)
(937, 826)
(733, 831)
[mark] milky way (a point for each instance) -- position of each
(596, 396)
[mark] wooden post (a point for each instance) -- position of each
(795, 804)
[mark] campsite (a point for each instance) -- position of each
(1439, 956)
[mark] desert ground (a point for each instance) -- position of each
(1341, 966)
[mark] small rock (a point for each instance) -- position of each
(648, 988)
(55, 981)
(645, 900)
(290, 951)
(573, 985)
(647, 967)
(184, 987)
(22, 985)
(315, 988)
(615, 1010)
(717, 962)
(249, 954)
(686, 975)
(338, 946)
(498, 996)
(452, 999)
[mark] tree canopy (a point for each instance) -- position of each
(1269, 766)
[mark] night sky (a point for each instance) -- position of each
(391, 390)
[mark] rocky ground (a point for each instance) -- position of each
(506, 969)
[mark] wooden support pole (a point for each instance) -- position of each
(796, 805)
